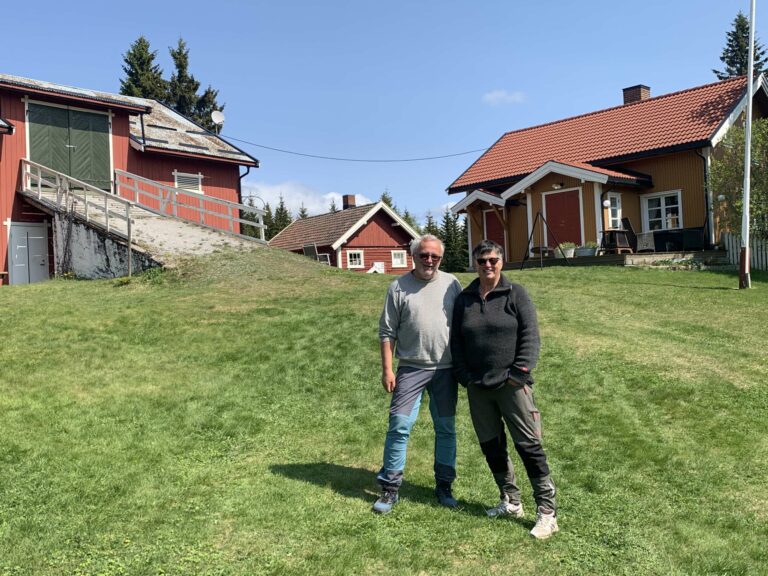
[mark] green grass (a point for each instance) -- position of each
(227, 418)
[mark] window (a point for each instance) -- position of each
(399, 259)
(662, 211)
(355, 259)
(189, 182)
(614, 212)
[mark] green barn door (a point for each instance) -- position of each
(89, 148)
(71, 141)
(49, 136)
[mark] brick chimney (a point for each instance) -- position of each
(347, 201)
(636, 93)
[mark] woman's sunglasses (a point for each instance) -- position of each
(492, 261)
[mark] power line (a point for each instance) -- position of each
(337, 159)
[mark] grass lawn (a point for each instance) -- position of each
(227, 418)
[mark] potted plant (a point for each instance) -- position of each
(587, 249)
(565, 250)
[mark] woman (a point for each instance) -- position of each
(495, 345)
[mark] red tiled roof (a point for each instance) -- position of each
(323, 229)
(676, 119)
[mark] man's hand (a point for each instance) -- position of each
(388, 380)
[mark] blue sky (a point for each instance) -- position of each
(382, 80)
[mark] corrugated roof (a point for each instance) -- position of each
(165, 130)
(676, 119)
(323, 229)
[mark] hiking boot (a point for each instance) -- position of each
(506, 508)
(445, 497)
(386, 502)
(546, 523)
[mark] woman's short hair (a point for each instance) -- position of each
(485, 246)
(417, 242)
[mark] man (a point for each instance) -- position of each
(415, 326)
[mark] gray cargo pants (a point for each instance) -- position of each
(514, 404)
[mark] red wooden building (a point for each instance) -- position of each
(89, 135)
(368, 238)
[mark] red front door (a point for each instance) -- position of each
(561, 209)
(494, 229)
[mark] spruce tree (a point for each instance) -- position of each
(735, 55)
(302, 213)
(248, 229)
(408, 217)
(282, 217)
(182, 89)
(269, 222)
(143, 78)
(204, 107)
(387, 199)
(454, 257)
(332, 208)
(430, 226)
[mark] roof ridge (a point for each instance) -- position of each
(604, 110)
(337, 211)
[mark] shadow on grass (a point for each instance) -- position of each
(361, 483)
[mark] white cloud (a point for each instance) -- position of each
(503, 97)
(294, 194)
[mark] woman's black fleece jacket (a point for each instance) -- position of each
(494, 339)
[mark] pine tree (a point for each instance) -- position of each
(269, 222)
(302, 213)
(431, 227)
(735, 55)
(183, 87)
(143, 78)
(282, 217)
(332, 208)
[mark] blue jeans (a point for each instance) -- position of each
(403, 411)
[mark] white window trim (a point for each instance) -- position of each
(199, 176)
(349, 259)
(404, 263)
(644, 208)
(609, 196)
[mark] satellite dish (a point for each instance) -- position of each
(218, 117)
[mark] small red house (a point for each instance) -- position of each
(643, 166)
(368, 238)
(89, 135)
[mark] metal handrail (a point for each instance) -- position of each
(36, 177)
(169, 204)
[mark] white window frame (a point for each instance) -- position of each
(614, 222)
(199, 177)
(644, 206)
(399, 259)
(359, 253)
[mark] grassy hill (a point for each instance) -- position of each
(227, 418)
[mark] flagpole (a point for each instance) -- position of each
(744, 277)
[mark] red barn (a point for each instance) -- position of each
(101, 139)
(368, 238)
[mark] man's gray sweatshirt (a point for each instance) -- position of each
(417, 316)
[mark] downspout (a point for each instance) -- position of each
(240, 184)
(709, 221)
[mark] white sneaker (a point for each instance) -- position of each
(546, 524)
(506, 508)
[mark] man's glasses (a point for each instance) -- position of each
(491, 261)
(425, 256)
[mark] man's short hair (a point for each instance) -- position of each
(485, 246)
(417, 242)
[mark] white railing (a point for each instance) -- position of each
(182, 204)
(758, 250)
(66, 193)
